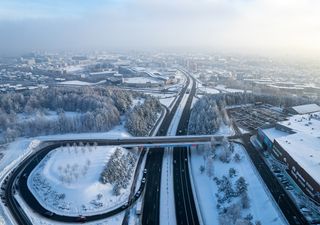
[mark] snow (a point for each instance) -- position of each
(84, 166)
(224, 89)
(166, 101)
(140, 80)
(79, 83)
(117, 132)
(225, 130)
(273, 133)
(304, 149)
(21, 147)
(38, 220)
(209, 90)
(262, 207)
(307, 123)
(75, 68)
(309, 108)
(49, 115)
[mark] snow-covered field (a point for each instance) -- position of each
(79, 83)
(14, 150)
(67, 173)
(209, 90)
(261, 207)
(141, 80)
(36, 220)
(224, 89)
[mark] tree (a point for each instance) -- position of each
(237, 158)
(232, 172)
(245, 201)
(241, 185)
(202, 168)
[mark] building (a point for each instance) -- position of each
(296, 144)
(301, 154)
(304, 109)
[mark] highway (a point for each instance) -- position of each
(151, 207)
(186, 213)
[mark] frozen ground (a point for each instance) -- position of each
(67, 173)
(261, 207)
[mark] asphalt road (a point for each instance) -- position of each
(186, 213)
(21, 175)
(151, 207)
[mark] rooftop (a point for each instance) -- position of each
(304, 149)
(309, 108)
(307, 123)
(273, 133)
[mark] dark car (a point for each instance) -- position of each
(48, 214)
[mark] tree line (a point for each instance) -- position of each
(95, 109)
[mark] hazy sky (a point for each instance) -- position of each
(254, 26)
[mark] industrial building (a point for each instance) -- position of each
(296, 144)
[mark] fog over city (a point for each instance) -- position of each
(286, 27)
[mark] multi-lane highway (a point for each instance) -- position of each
(151, 208)
(186, 213)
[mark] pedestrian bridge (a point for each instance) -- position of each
(152, 142)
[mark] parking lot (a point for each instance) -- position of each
(254, 116)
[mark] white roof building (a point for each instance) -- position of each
(305, 150)
(304, 109)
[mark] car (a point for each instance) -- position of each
(143, 180)
(48, 214)
(185, 159)
(81, 219)
(145, 171)
(125, 205)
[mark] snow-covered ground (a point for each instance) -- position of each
(16, 150)
(223, 88)
(166, 101)
(208, 90)
(36, 220)
(79, 83)
(69, 172)
(141, 80)
(262, 207)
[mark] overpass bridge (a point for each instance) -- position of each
(151, 142)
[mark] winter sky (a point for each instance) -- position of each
(258, 26)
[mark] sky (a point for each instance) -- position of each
(285, 27)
